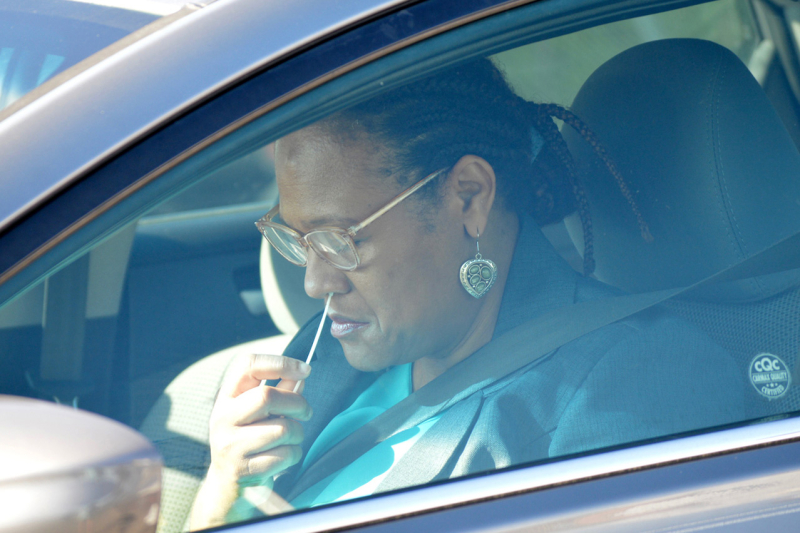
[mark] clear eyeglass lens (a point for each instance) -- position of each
(287, 245)
(333, 247)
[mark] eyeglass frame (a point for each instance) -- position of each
(346, 234)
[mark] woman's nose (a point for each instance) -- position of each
(321, 278)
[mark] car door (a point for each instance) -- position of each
(132, 273)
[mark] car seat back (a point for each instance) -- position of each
(715, 176)
(178, 422)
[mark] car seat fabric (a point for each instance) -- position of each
(178, 422)
(771, 326)
(178, 426)
(715, 175)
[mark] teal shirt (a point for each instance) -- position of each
(362, 476)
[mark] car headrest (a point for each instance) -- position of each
(712, 168)
(282, 284)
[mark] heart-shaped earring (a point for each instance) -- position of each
(479, 274)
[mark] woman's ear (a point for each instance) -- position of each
(474, 183)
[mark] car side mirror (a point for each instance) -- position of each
(67, 470)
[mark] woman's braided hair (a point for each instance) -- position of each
(470, 109)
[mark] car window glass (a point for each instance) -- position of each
(727, 23)
(554, 207)
(41, 38)
(249, 179)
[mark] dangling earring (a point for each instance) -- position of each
(479, 274)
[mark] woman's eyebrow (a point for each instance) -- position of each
(343, 223)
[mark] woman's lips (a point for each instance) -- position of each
(342, 326)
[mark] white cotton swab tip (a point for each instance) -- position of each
(316, 337)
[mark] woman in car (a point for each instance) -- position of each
(419, 212)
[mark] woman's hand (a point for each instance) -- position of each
(254, 433)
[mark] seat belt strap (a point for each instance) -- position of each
(519, 347)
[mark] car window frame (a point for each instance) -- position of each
(95, 58)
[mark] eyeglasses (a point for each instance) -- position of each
(334, 245)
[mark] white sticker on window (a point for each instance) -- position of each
(770, 376)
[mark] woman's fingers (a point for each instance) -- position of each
(254, 429)
(289, 384)
(255, 439)
(254, 469)
(262, 402)
(272, 433)
(232, 447)
(248, 372)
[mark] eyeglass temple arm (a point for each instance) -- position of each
(352, 230)
(271, 213)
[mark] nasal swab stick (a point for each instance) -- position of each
(260, 495)
(316, 337)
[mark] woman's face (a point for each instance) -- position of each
(404, 301)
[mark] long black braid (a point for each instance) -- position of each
(470, 109)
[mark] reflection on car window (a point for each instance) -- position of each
(537, 71)
(472, 232)
(41, 38)
(247, 180)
